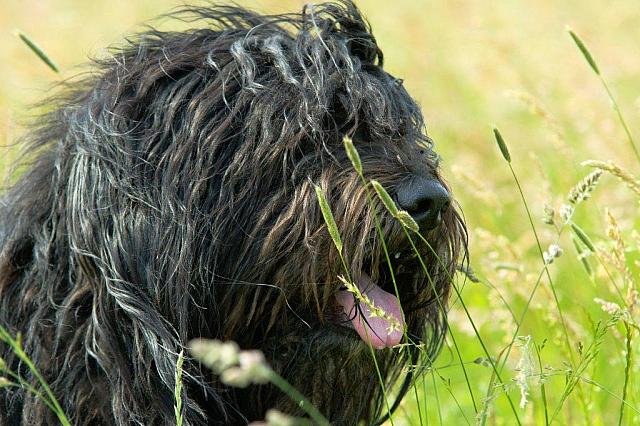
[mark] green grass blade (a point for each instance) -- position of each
(407, 221)
(299, 398)
(502, 145)
(353, 155)
(328, 219)
(582, 236)
(178, 390)
(627, 369)
(545, 270)
(385, 197)
(471, 321)
(543, 391)
(582, 256)
(38, 51)
(48, 397)
(592, 63)
(335, 236)
(585, 52)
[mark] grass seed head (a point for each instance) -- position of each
(352, 153)
(585, 52)
(502, 145)
(407, 221)
(582, 190)
(617, 171)
(566, 212)
(548, 215)
(609, 307)
(385, 197)
(216, 355)
(38, 51)
(328, 219)
(277, 418)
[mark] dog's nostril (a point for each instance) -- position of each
(425, 200)
(422, 205)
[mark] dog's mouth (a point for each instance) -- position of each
(383, 324)
(379, 323)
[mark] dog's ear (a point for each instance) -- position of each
(366, 49)
(362, 44)
(345, 19)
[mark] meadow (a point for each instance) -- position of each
(546, 328)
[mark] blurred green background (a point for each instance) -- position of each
(471, 64)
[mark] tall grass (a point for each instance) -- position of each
(11, 378)
(616, 277)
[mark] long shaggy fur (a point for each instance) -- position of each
(168, 195)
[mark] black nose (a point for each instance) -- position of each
(424, 199)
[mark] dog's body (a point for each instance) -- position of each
(170, 196)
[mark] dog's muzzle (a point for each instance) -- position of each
(425, 199)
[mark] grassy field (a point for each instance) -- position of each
(473, 67)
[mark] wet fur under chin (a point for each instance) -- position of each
(168, 195)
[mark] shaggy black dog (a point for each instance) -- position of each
(169, 195)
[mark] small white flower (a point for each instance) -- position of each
(276, 418)
(215, 354)
(548, 258)
(236, 377)
(552, 252)
(555, 250)
(255, 366)
(236, 367)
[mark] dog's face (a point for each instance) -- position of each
(321, 327)
(283, 102)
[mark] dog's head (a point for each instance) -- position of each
(190, 161)
(270, 108)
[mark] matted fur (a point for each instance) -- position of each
(168, 194)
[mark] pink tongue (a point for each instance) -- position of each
(374, 330)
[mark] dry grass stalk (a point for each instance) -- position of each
(616, 171)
